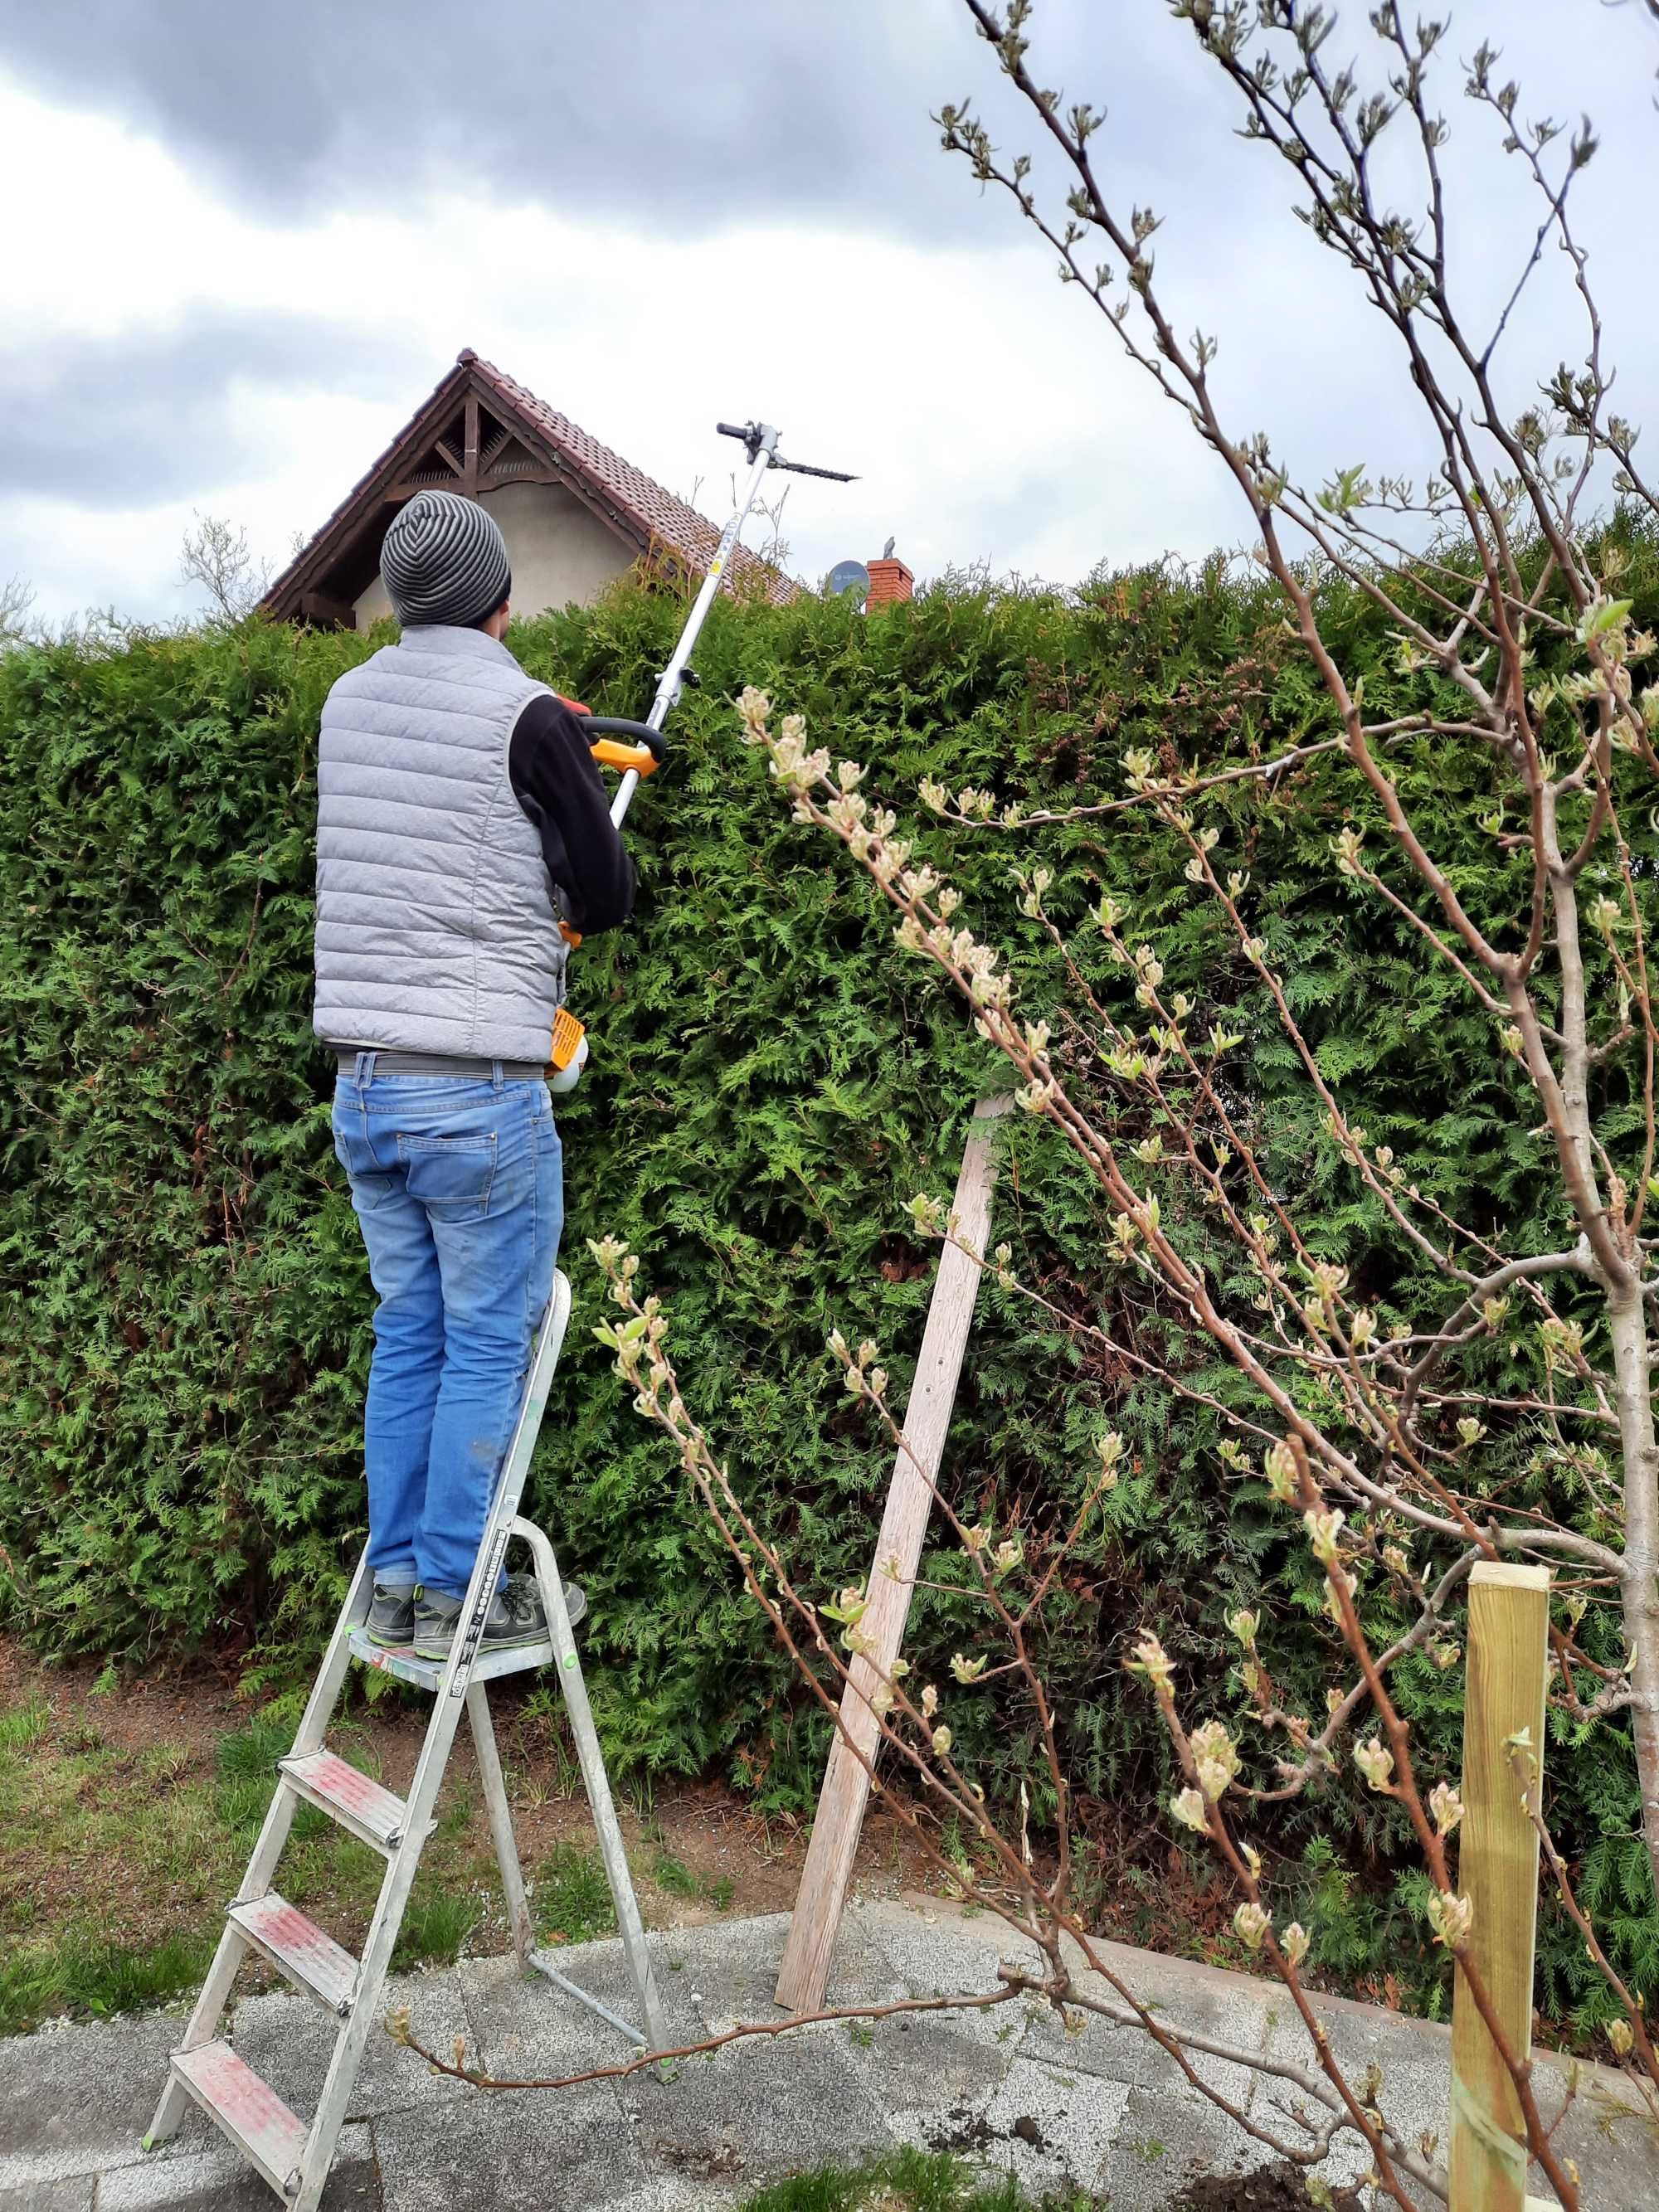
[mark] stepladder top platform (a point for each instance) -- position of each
(399, 1660)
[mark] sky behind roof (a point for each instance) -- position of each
(260, 236)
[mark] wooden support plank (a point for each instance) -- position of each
(492, 479)
(469, 472)
(836, 1830)
(1498, 1872)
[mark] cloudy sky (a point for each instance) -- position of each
(244, 242)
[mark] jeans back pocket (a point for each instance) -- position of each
(451, 1176)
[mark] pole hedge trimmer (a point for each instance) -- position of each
(635, 749)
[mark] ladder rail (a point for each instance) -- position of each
(509, 1489)
(202, 2025)
(612, 1849)
(337, 1658)
(334, 2102)
(500, 1823)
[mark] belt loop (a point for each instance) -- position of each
(365, 1072)
(496, 1073)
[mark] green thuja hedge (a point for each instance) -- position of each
(184, 1306)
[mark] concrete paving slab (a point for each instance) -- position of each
(1609, 2136)
(1412, 2060)
(935, 1949)
(288, 2040)
(521, 2153)
(710, 1979)
(1161, 2143)
(689, 2194)
(74, 2102)
(1232, 2009)
(50, 2197)
(77, 2101)
(926, 2063)
(1049, 2127)
(524, 2025)
(727, 1974)
(756, 2111)
(217, 2180)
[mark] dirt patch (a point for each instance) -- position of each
(711, 2162)
(1269, 2189)
(191, 1709)
(965, 2129)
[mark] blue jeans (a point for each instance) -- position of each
(458, 1185)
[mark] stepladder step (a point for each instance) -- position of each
(246, 2109)
(311, 1958)
(373, 1816)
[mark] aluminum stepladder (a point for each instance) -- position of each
(291, 2153)
(294, 2156)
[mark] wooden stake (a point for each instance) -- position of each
(836, 1830)
(1498, 1872)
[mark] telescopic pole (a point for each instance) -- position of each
(641, 746)
(672, 682)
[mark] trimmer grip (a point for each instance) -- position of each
(643, 753)
(640, 758)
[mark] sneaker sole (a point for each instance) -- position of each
(389, 1643)
(438, 1654)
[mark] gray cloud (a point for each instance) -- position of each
(677, 116)
(141, 417)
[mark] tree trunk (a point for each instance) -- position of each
(1627, 1321)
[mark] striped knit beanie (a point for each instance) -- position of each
(444, 562)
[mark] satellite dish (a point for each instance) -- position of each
(850, 579)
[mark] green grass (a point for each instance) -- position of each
(571, 1901)
(674, 1875)
(115, 1867)
(22, 1727)
(251, 1755)
(81, 1976)
(436, 1924)
(116, 1863)
(906, 2181)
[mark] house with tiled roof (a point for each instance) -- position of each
(573, 513)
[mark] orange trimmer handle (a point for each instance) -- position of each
(643, 756)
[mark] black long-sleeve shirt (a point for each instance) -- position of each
(556, 781)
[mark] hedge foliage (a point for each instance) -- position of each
(183, 1299)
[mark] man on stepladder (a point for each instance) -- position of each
(461, 820)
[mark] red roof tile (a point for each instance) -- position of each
(663, 517)
(653, 517)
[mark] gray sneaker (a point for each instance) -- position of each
(392, 1615)
(575, 1598)
(515, 1619)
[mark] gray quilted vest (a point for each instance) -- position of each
(436, 929)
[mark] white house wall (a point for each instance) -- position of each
(559, 551)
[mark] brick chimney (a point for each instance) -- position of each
(890, 581)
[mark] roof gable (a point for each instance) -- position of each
(480, 430)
